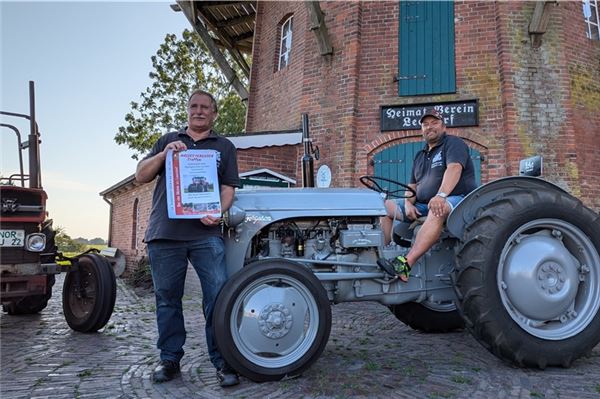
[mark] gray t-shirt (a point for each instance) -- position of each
(160, 227)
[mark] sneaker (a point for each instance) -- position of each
(397, 266)
(227, 377)
(165, 371)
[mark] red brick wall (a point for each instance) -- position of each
(277, 106)
(122, 221)
(582, 75)
(549, 94)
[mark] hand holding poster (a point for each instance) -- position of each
(192, 184)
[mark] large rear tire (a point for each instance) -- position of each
(428, 317)
(89, 294)
(272, 319)
(528, 278)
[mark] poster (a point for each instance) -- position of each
(192, 184)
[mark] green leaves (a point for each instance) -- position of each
(179, 66)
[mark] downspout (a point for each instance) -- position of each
(110, 220)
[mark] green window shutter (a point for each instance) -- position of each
(396, 163)
(426, 48)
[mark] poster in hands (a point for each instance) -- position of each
(192, 184)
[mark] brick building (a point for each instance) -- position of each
(514, 79)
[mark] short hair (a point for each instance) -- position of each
(207, 94)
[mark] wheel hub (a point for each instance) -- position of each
(275, 320)
(540, 277)
(551, 277)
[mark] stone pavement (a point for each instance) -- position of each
(370, 354)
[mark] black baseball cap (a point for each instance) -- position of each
(432, 112)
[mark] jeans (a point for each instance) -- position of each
(169, 263)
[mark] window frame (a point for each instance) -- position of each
(593, 28)
(283, 37)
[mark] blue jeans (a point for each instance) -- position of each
(169, 263)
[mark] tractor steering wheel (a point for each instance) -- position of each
(375, 183)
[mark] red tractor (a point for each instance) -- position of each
(28, 251)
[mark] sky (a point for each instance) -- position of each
(88, 60)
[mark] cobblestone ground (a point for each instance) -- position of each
(369, 355)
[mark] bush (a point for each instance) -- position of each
(141, 276)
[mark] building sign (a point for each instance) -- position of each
(406, 117)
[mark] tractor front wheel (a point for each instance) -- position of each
(89, 294)
(272, 320)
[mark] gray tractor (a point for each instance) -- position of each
(518, 265)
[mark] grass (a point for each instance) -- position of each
(372, 366)
(40, 381)
(84, 373)
(436, 395)
(459, 379)
(598, 388)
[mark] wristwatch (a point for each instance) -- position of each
(442, 194)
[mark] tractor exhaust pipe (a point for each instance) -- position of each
(34, 143)
(308, 172)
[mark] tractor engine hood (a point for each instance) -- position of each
(279, 204)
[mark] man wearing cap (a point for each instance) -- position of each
(442, 175)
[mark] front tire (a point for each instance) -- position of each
(528, 278)
(272, 319)
(89, 294)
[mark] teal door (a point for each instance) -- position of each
(396, 162)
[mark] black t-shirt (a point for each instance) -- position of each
(429, 167)
(159, 225)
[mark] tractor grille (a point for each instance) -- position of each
(14, 255)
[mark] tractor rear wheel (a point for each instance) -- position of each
(528, 277)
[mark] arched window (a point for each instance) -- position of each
(135, 216)
(285, 43)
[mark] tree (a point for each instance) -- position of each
(65, 243)
(179, 67)
(81, 240)
(97, 241)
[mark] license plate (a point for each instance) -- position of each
(12, 238)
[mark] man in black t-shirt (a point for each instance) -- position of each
(442, 175)
(172, 243)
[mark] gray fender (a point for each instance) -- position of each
(468, 209)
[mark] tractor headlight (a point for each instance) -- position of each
(35, 242)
